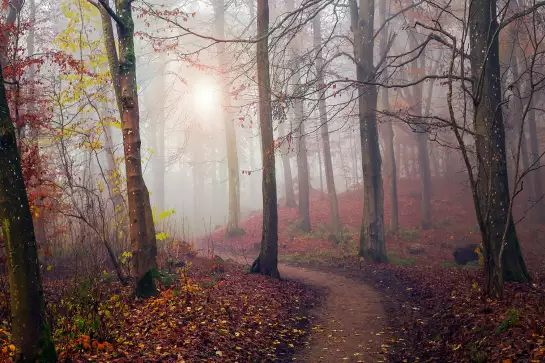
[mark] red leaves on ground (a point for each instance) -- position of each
(213, 312)
(441, 313)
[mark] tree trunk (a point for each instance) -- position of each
(267, 261)
(517, 119)
(328, 164)
(372, 244)
(492, 183)
(389, 131)
(41, 236)
(159, 122)
(197, 202)
(319, 157)
(419, 65)
(114, 173)
(302, 172)
(288, 178)
(303, 177)
(142, 229)
(30, 332)
(538, 211)
(233, 224)
(425, 179)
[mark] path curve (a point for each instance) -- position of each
(346, 326)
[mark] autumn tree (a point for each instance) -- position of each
(30, 332)
(267, 261)
(123, 71)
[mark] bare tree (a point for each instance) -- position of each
(267, 261)
(233, 224)
(372, 244)
(328, 164)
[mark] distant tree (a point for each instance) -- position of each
(418, 66)
(233, 222)
(286, 163)
(328, 164)
(303, 175)
(267, 261)
(388, 130)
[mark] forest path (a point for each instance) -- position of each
(346, 323)
(346, 326)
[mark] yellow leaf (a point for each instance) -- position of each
(12, 347)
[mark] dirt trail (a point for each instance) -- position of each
(347, 321)
(346, 325)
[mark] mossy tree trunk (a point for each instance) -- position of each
(141, 226)
(372, 244)
(267, 261)
(492, 180)
(114, 173)
(30, 332)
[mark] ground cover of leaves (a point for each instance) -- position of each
(212, 311)
(437, 311)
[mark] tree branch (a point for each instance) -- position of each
(110, 11)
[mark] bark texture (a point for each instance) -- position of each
(492, 182)
(267, 261)
(372, 244)
(141, 226)
(113, 65)
(30, 333)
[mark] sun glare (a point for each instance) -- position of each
(206, 97)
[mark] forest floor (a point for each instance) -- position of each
(347, 323)
(434, 310)
(330, 307)
(207, 311)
